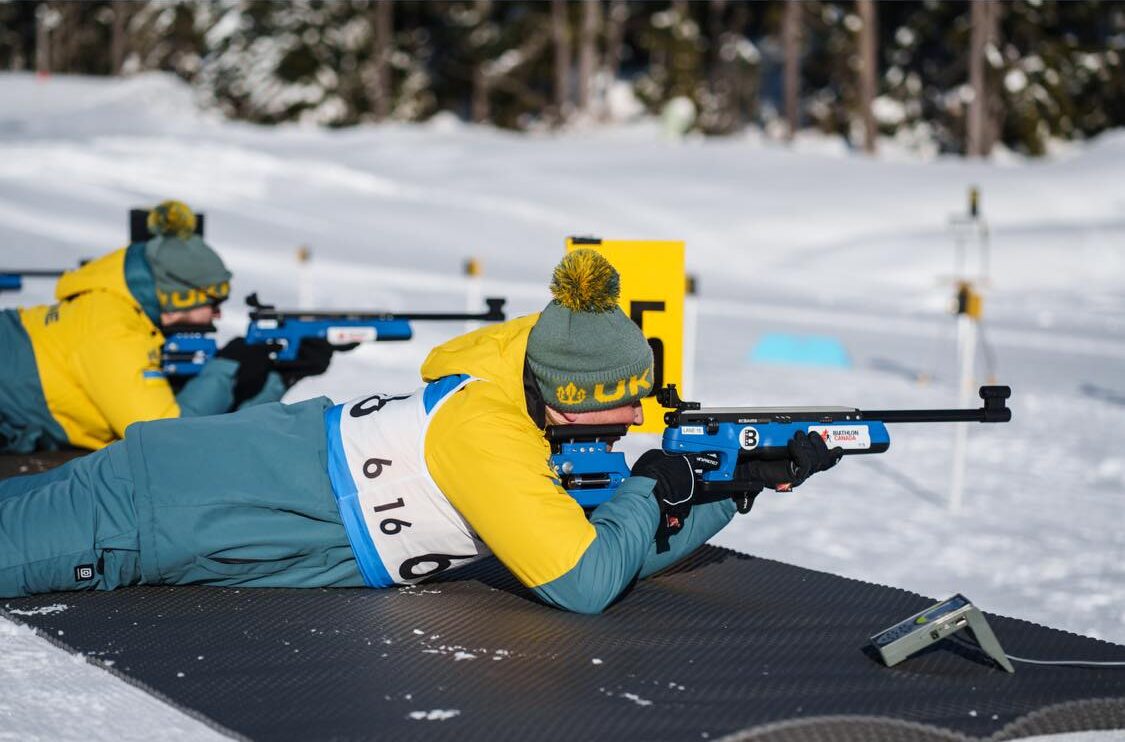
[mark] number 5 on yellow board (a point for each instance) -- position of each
(652, 295)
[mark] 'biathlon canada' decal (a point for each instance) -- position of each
(846, 437)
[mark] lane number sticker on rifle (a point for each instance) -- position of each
(748, 438)
(847, 437)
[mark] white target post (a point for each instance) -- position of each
(968, 314)
(967, 229)
(474, 291)
(305, 297)
(691, 330)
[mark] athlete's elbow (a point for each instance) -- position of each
(587, 602)
(591, 606)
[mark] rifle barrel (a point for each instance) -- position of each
(994, 411)
(494, 313)
(32, 273)
(938, 416)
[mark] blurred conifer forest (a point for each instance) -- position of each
(953, 77)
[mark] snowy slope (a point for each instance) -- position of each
(810, 240)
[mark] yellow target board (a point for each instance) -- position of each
(652, 295)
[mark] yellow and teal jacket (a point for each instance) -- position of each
(492, 461)
(79, 371)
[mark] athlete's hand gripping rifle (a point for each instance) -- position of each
(591, 473)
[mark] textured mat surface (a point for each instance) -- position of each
(724, 644)
(12, 465)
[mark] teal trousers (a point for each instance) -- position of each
(71, 528)
(241, 499)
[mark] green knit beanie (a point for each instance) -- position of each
(584, 352)
(188, 273)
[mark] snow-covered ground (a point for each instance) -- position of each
(810, 241)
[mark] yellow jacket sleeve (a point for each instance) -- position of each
(117, 364)
(492, 463)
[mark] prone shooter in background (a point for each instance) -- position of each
(80, 371)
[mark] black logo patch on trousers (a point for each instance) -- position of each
(83, 572)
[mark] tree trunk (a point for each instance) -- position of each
(119, 45)
(383, 24)
(560, 35)
(791, 35)
(718, 77)
(42, 40)
(588, 52)
(615, 37)
(994, 113)
(480, 97)
(481, 112)
(68, 36)
(981, 126)
(715, 12)
(868, 72)
(745, 83)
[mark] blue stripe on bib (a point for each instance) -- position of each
(366, 555)
(436, 390)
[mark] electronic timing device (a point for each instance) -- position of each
(935, 623)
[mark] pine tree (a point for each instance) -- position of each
(17, 35)
(166, 36)
(923, 95)
(727, 97)
(1054, 70)
(671, 42)
(270, 62)
(1061, 79)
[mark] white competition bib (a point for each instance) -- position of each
(400, 525)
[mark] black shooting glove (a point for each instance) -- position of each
(675, 476)
(313, 357)
(254, 366)
(808, 454)
(744, 500)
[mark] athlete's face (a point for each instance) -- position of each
(630, 414)
(203, 315)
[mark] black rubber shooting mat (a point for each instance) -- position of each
(13, 465)
(721, 644)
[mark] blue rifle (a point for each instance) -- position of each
(188, 347)
(13, 280)
(283, 330)
(591, 472)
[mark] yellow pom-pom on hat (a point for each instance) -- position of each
(172, 218)
(186, 271)
(586, 282)
(584, 352)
